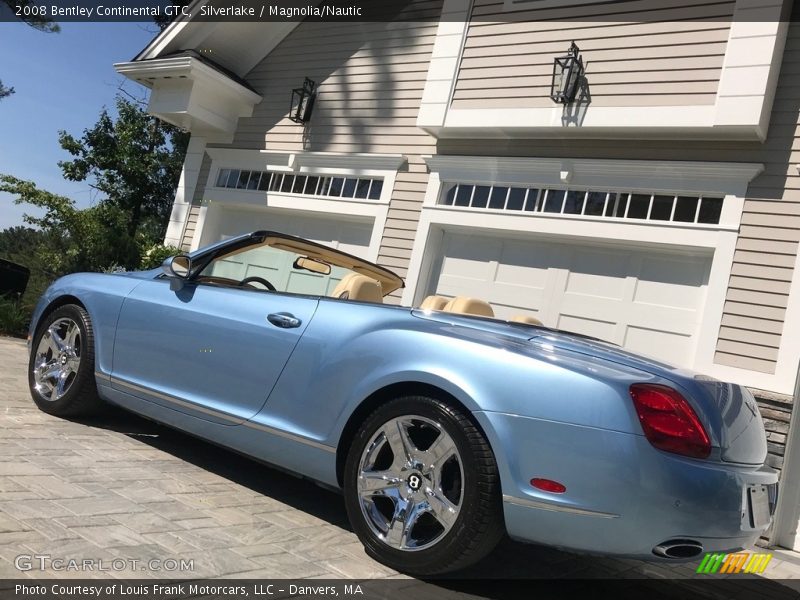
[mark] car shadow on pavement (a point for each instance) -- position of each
(498, 576)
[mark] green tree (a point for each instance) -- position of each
(134, 160)
(89, 239)
(35, 21)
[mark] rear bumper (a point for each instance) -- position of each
(623, 496)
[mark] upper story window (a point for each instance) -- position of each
(583, 202)
(330, 186)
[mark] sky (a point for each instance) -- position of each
(62, 81)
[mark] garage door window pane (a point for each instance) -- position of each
(481, 196)
(662, 208)
(375, 189)
(336, 186)
(516, 198)
(349, 188)
(362, 188)
(311, 186)
(554, 201)
(263, 184)
(685, 209)
(252, 183)
(574, 203)
(639, 205)
(464, 194)
(710, 210)
(299, 184)
(617, 205)
(232, 178)
(241, 183)
(449, 195)
(222, 178)
(275, 184)
(497, 199)
(595, 202)
(286, 186)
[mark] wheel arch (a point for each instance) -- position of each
(54, 305)
(384, 394)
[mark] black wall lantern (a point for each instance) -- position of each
(303, 102)
(567, 71)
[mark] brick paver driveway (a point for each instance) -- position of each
(122, 487)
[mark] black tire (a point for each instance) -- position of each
(81, 397)
(479, 524)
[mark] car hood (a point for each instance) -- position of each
(729, 411)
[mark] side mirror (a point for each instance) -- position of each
(177, 267)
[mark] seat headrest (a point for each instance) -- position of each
(341, 287)
(526, 319)
(434, 303)
(363, 289)
(469, 306)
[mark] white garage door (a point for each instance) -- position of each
(648, 301)
(275, 266)
(348, 235)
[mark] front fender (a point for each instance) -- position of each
(102, 296)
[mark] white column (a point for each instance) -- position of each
(185, 191)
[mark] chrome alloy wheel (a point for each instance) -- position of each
(410, 483)
(58, 357)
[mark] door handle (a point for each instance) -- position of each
(284, 320)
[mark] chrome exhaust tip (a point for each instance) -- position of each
(678, 549)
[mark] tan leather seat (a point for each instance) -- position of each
(469, 306)
(526, 319)
(360, 288)
(341, 287)
(434, 303)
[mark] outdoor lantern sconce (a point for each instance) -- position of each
(567, 71)
(303, 102)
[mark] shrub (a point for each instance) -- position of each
(157, 254)
(13, 317)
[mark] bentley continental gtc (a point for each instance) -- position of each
(443, 427)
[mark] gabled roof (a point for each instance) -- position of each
(236, 46)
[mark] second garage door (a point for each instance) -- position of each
(646, 300)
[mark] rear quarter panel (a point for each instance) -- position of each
(350, 350)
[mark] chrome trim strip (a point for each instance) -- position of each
(191, 405)
(223, 415)
(105, 378)
(289, 436)
(527, 503)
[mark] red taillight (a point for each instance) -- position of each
(669, 423)
(548, 485)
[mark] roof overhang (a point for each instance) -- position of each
(189, 93)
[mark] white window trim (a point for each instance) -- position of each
(376, 211)
(727, 179)
(741, 110)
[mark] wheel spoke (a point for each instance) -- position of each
(405, 517)
(50, 370)
(377, 482)
(442, 509)
(57, 340)
(61, 384)
(71, 336)
(440, 450)
(397, 438)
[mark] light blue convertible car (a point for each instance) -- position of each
(443, 427)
